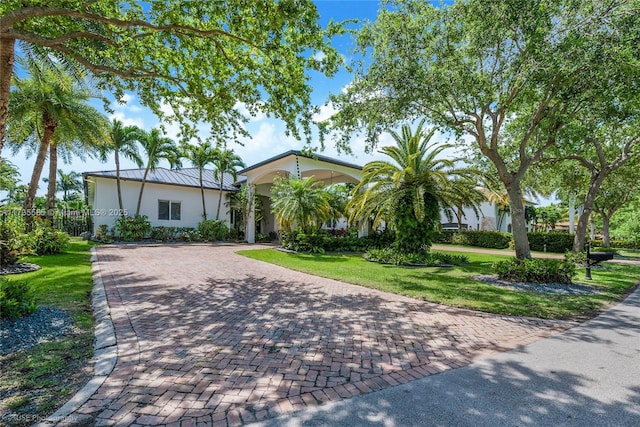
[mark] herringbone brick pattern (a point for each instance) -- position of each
(207, 337)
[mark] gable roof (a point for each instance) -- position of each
(188, 177)
(301, 154)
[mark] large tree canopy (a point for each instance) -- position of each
(505, 75)
(202, 58)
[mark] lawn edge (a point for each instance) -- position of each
(105, 350)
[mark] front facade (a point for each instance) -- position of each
(173, 198)
(170, 198)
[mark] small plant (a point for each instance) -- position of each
(48, 241)
(580, 258)
(190, 235)
(16, 299)
(13, 243)
(536, 270)
(213, 230)
(164, 234)
(133, 228)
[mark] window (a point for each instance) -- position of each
(169, 210)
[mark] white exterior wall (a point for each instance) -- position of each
(105, 204)
(487, 219)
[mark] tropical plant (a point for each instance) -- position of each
(461, 193)
(9, 178)
(156, 148)
(225, 162)
(243, 202)
(406, 193)
(48, 110)
(69, 183)
(200, 156)
(122, 142)
(299, 203)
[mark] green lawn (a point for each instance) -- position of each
(453, 285)
(35, 382)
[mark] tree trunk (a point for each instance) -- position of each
(7, 57)
(204, 207)
(572, 213)
(28, 204)
(583, 222)
(144, 179)
(606, 240)
(118, 186)
(518, 221)
(51, 188)
(459, 215)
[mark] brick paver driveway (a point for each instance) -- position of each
(207, 336)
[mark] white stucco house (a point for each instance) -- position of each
(172, 197)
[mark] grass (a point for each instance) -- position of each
(35, 382)
(454, 286)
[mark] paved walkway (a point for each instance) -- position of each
(586, 376)
(207, 337)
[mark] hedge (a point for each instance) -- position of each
(555, 242)
(483, 239)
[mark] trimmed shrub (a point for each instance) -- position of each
(16, 299)
(483, 239)
(213, 230)
(164, 234)
(618, 244)
(555, 242)
(444, 236)
(426, 258)
(48, 241)
(132, 228)
(536, 270)
(320, 241)
(190, 235)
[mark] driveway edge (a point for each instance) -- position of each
(105, 352)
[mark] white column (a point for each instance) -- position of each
(251, 220)
(572, 213)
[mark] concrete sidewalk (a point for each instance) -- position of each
(586, 376)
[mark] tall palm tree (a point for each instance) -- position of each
(200, 156)
(225, 162)
(123, 141)
(67, 182)
(156, 147)
(49, 109)
(299, 202)
(406, 192)
(461, 193)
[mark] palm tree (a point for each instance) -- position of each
(407, 192)
(123, 142)
(461, 193)
(243, 202)
(67, 182)
(225, 162)
(200, 156)
(299, 202)
(49, 109)
(157, 148)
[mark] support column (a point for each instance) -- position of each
(250, 232)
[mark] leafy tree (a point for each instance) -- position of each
(49, 110)
(338, 198)
(616, 191)
(122, 141)
(200, 156)
(299, 202)
(225, 161)
(505, 75)
(156, 147)
(205, 59)
(625, 223)
(406, 192)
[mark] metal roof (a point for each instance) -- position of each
(188, 177)
(301, 154)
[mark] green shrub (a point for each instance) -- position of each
(47, 240)
(427, 258)
(165, 234)
(555, 242)
(619, 244)
(16, 299)
(213, 230)
(483, 239)
(132, 228)
(536, 270)
(444, 236)
(13, 243)
(320, 241)
(579, 258)
(190, 235)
